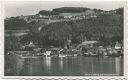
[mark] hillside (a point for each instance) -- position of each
(15, 23)
(107, 26)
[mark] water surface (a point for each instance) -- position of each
(70, 66)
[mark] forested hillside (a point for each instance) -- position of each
(106, 27)
(70, 9)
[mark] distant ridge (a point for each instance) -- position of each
(56, 11)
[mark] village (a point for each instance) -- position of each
(86, 49)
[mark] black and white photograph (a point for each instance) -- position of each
(63, 38)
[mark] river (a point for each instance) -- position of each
(69, 66)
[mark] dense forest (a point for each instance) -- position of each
(44, 12)
(70, 9)
(56, 11)
(105, 27)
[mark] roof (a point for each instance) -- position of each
(88, 42)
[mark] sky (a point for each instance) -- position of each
(17, 8)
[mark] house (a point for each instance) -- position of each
(117, 46)
(86, 45)
(90, 43)
(48, 53)
(31, 44)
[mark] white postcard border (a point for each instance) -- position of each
(64, 77)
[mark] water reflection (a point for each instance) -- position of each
(61, 64)
(47, 62)
(118, 62)
(70, 66)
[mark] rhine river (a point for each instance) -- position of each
(68, 66)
